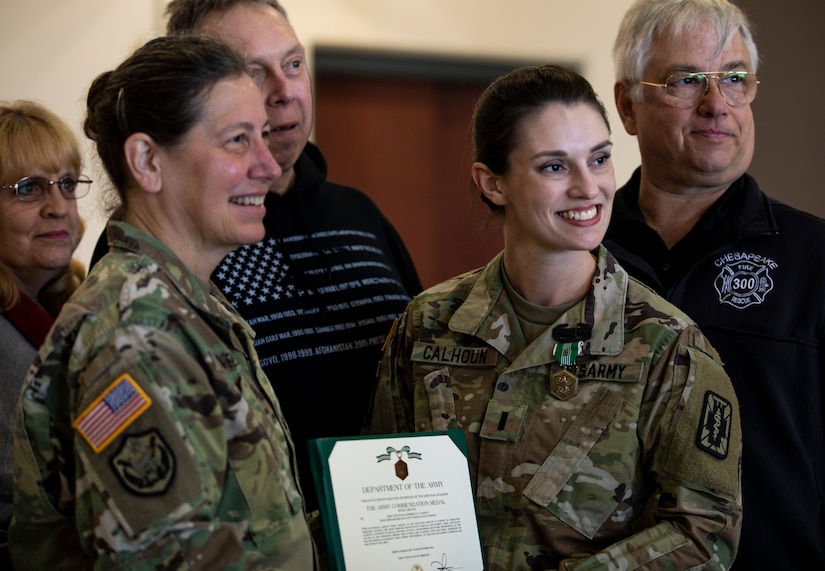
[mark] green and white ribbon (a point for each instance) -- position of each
(566, 353)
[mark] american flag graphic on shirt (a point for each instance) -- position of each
(121, 403)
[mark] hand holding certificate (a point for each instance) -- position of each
(397, 502)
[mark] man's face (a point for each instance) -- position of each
(277, 62)
(709, 144)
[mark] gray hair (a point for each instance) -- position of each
(646, 20)
(186, 16)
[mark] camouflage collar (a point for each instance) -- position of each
(204, 297)
(484, 310)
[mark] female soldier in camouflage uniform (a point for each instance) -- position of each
(602, 430)
(148, 437)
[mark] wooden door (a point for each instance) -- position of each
(405, 142)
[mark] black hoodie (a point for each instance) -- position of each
(321, 291)
(751, 273)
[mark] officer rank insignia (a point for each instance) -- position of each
(715, 426)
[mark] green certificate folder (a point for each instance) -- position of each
(397, 502)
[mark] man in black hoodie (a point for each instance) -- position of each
(323, 287)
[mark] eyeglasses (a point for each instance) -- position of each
(34, 188)
(686, 89)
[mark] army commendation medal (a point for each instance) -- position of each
(401, 471)
(563, 383)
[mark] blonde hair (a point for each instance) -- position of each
(33, 136)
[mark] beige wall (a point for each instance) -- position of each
(790, 117)
(50, 50)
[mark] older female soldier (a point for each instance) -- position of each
(148, 436)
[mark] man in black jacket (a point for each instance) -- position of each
(323, 287)
(692, 225)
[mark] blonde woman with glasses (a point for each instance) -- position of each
(40, 180)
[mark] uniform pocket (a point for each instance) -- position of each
(586, 476)
(441, 399)
(260, 456)
(270, 505)
(451, 375)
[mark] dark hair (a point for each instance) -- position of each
(185, 16)
(159, 90)
(511, 99)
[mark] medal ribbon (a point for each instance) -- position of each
(566, 353)
(398, 453)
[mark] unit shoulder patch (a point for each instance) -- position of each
(715, 425)
(144, 463)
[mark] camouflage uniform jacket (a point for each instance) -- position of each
(149, 437)
(634, 464)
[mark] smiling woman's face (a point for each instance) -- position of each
(37, 239)
(558, 191)
(215, 180)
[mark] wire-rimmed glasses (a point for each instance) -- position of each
(34, 188)
(686, 89)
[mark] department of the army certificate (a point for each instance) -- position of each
(400, 502)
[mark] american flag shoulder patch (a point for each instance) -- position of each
(116, 408)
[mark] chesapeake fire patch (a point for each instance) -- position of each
(744, 279)
(714, 430)
(454, 355)
(116, 408)
(144, 463)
